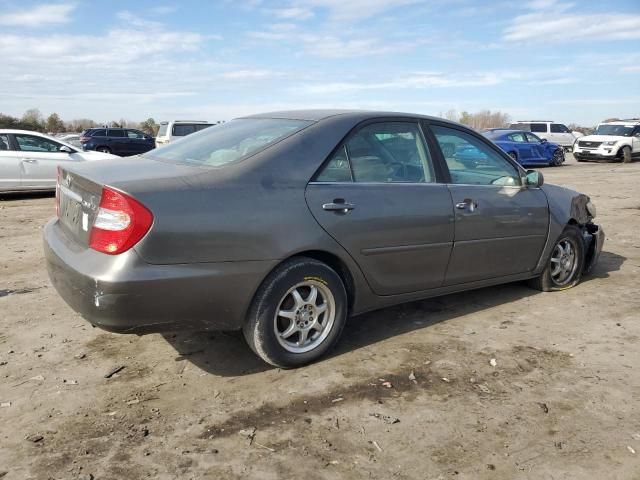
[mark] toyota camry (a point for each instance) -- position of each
(283, 225)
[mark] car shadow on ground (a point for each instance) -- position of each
(226, 353)
(14, 196)
(607, 263)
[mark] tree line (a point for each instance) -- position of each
(33, 120)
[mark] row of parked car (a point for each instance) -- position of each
(129, 141)
(29, 160)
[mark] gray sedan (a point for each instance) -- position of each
(285, 224)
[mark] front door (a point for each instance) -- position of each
(378, 197)
(501, 226)
(9, 165)
(538, 153)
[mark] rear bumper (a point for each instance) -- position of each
(124, 294)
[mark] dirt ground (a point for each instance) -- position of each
(562, 401)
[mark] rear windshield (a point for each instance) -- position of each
(184, 129)
(163, 129)
(228, 142)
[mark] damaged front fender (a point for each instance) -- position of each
(567, 207)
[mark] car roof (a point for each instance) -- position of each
(30, 132)
(534, 121)
(632, 121)
(316, 115)
(503, 131)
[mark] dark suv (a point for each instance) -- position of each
(119, 141)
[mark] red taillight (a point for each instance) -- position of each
(84, 139)
(121, 222)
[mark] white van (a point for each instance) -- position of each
(173, 129)
(554, 132)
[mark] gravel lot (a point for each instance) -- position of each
(561, 402)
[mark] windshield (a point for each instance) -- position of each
(615, 130)
(229, 142)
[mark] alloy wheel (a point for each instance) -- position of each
(304, 317)
(564, 262)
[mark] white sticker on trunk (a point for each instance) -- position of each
(85, 222)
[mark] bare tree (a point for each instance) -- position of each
(485, 119)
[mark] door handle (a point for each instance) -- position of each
(467, 204)
(30, 160)
(338, 206)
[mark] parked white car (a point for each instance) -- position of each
(72, 138)
(29, 160)
(554, 132)
(173, 129)
(619, 140)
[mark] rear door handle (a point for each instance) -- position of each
(30, 160)
(467, 204)
(337, 206)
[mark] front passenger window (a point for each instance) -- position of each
(473, 162)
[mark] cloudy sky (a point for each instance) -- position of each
(552, 59)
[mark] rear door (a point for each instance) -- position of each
(379, 197)
(39, 160)
(9, 164)
(523, 149)
(500, 226)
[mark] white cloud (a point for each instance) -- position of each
(248, 74)
(631, 69)
(292, 13)
(415, 80)
(40, 16)
(552, 21)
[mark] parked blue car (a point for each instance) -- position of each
(526, 148)
(119, 141)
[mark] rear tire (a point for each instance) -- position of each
(297, 314)
(103, 149)
(565, 265)
(513, 156)
(625, 154)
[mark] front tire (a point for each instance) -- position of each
(564, 267)
(297, 314)
(558, 158)
(103, 149)
(625, 154)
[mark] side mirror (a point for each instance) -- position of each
(533, 178)
(65, 149)
(543, 140)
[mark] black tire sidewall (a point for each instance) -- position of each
(625, 154)
(570, 232)
(259, 330)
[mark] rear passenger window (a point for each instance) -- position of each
(539, 127)
(471, 161)
(116, 133)
(4, 143)
(390, 152)
(337, 168)
(99, 133)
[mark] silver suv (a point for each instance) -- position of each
(554, 132)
